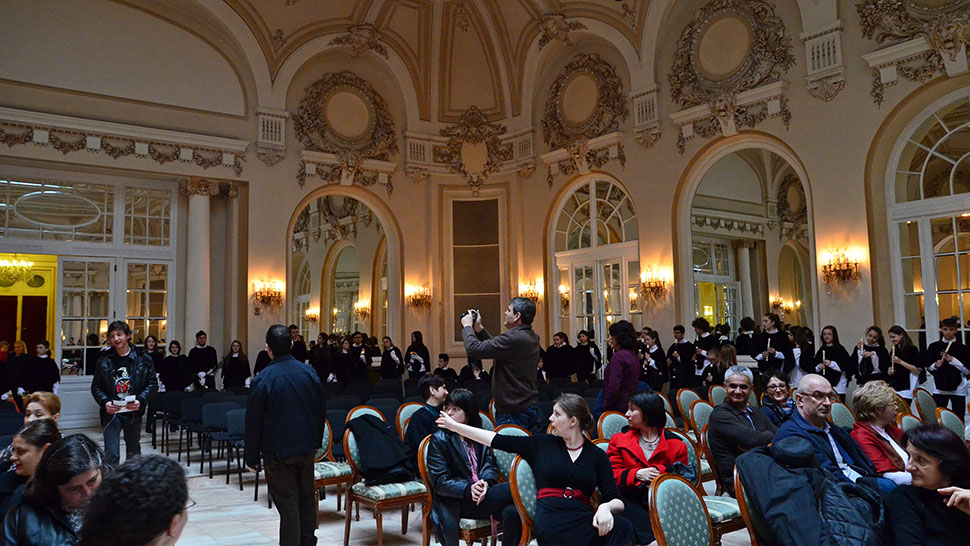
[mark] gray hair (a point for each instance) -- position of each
(740, 370)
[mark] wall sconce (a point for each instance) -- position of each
(564, 297)
(653, 284)
(838, 265)
(781, 306)
(312, 314)
(529, 291)
(268, 293)
(417, 296)
(361, 310)
(634, 296)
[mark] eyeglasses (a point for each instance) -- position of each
(190, 504)
(821, 396)
(776, 387)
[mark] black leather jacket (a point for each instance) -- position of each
(448, 468)
(28, 525)
(140, 370)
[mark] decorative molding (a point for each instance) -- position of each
(727, 116)
(473, 128)
(823, 53)
(723, 222)
(462, 17)
(277, 40)
(424, 157)
(271, 135)
(199, 186)
(914, 60)
(582, 156)
(361, 159)
(555, 27)
(361, 38)
(768, 56)
(646, 116)
(229, 189)
(744, 243)
(610, 110)
(793, 223)
(71, 135)
(630, 15)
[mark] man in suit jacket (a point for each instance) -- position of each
(285, 420)
(516, 354)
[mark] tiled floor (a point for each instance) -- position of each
(224, 515)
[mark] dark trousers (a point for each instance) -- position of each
(959, 402)
(118, 424)
(497, 503)
(290, 483)
(637, 511)
(527, 419)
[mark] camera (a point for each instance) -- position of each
(474, 315)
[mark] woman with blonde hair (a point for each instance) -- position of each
(876, 432)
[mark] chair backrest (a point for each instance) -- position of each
(351, 450)
(678, 514)
(742, 497)
(524, 491)
(391, 390)
(491, 407)
(192, 409)
(384, 400)
(700, 414)
(842, 416)
(326, 444)
(403, 414)
(667, 405)
(364, 410)
(693, 456)
(671, 422)
(236, 423)
(338, 422)
(925, 405)
(503, 459)
(716, 394)
(686, 397)
(487, 422)
(214, 415)
(344, 401)
(241, 399)
(907, 422)
(602, 443)
(753, 399)
(610, 422)
(950, 420)
(706, 449)
(423, 463)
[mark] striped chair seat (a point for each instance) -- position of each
(326, 469)
(722, 509)
(469, 524)
(389, 490)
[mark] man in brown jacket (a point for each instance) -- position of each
(516, 354)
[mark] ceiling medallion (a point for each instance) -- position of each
(474, 149)
(584, 102)
(361, 38)
(708, 66)
(555, 27)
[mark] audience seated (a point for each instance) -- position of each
(28, 446)
(640, 453)
(837, 452)
(143, 502)
(473, 372)
(876, 431)
(442, 370)
(776, 402)
(935, 509)
(40, 405)
(464, 478)
(736, 427)
(422, 423)
(54, 500)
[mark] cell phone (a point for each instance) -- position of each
(474, 315)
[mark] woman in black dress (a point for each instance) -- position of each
(771, 348)
(832, 361)
(235, 367)
(906, 369)
(870, 357)
(174, 368)
(417, 357)
(567, 469)
(588, 357)
(653, 366)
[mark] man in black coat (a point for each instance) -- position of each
(299, 350)
(285, 420)
(203, 361)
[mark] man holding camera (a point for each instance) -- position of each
(516, 354)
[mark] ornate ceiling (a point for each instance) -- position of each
(459, 53)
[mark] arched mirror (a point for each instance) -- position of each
(749, 240)
(339, 254)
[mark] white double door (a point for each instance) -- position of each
(600, 293)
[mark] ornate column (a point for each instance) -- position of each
(197, 310)
(744, 247)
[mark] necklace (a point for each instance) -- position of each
(577, 448)
(647, 441)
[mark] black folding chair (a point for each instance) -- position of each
(215, 429)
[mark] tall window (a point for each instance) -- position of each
(596, 258)
(147, 301)
(56, 211)
(147, 216)
(929, 203)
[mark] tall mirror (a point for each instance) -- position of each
(339, 265)
(749, 242)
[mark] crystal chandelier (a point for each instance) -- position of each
(15, 270)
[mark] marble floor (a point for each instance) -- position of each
(224, 515)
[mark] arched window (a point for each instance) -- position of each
(303, 301)
(596, 259)
(928, 183)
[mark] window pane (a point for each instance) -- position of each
(949, 305)
(136, 304)
(99, 275)
(913, 308)
(946, 273)
(942, 229)
(72, 303)
(909, 238)
(912, 275)
(72, 332)
(97, 304)
(157, 304)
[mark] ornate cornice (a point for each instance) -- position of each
(199, 186)
(361, 38)
(473, 128)
(581, 156)
(610, 110)
(555, 27)
(726, 224)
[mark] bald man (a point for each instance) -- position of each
(835, 449)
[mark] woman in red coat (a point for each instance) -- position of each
(876, 432)
(640, 453)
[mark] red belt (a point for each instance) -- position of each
(567, 493)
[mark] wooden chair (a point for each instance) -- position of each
(469, 530)
(364, 410)
(667, 406)
(678, 514)
(525, 496)
(706, 449)
(716, 394)
(610, 423)
(503, 459)
(907, 422)
(925, 405)
(746, 515)
(686, 397)
(381, 497)
(671, 423)
(403, 414)
(487, 422)
(550, 430)
(842, 416)
(950, 420)
(326, 471)
(700, 414)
